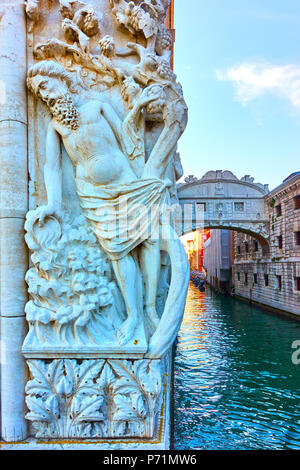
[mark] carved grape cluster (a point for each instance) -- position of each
(165, 72)
(163, 40)
(107, 46)
(135, 17)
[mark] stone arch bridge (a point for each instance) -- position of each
(220, 200)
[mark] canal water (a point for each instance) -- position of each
(236, 387)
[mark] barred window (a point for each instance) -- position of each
(278, 210)
(279, 282)
(297, 202)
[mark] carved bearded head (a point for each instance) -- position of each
(48, 79)
(50, 82)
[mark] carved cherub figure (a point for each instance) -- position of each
(32, 9)
(66, 7)
(74, 34)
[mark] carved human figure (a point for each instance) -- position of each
(95, 140)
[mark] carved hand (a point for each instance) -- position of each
(50, 210)
(150, 94)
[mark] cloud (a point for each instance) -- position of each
(253, 79)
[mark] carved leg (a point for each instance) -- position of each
(171, 319)
(125, 271)
(150, 267)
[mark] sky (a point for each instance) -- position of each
(239, 65)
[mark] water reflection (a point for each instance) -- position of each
(235, 384)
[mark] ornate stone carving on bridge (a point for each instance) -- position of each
(106, 112)
(229, 202)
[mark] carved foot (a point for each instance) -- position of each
(152, 318)
(126, 330)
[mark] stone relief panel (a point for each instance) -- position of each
(75, 304)
(106, 114)
(67, 398)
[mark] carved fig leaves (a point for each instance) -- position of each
(93, 398)
(62, 398)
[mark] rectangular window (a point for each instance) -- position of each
(239, 207)
(201, 207)
(278, 210)
(246, 279)
(255, 278)
(297, 202)
(239, 250)
(266, 276)
(238, 276)
(280, 242)
(255, 244)
(247, 247)
(279, 282)
(297, 238)
(297, 283)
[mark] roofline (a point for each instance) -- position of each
(284, 185)
(237, 181)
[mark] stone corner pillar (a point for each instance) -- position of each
(13, 208)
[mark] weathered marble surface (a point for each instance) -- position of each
(71, 399)
(105, 114)
(13, 208)
(104, 94)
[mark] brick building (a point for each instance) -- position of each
(273, 278)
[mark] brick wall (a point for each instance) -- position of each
(273, 279)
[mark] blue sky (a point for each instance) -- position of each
(239, 64)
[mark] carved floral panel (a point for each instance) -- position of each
(67, 398)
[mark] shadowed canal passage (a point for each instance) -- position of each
(235, 384)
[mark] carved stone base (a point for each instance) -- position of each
(97, 399)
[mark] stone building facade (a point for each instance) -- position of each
(273, 278)
(193, 244)
(217, 260)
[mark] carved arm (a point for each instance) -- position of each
(175, 119)
(52, 175)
